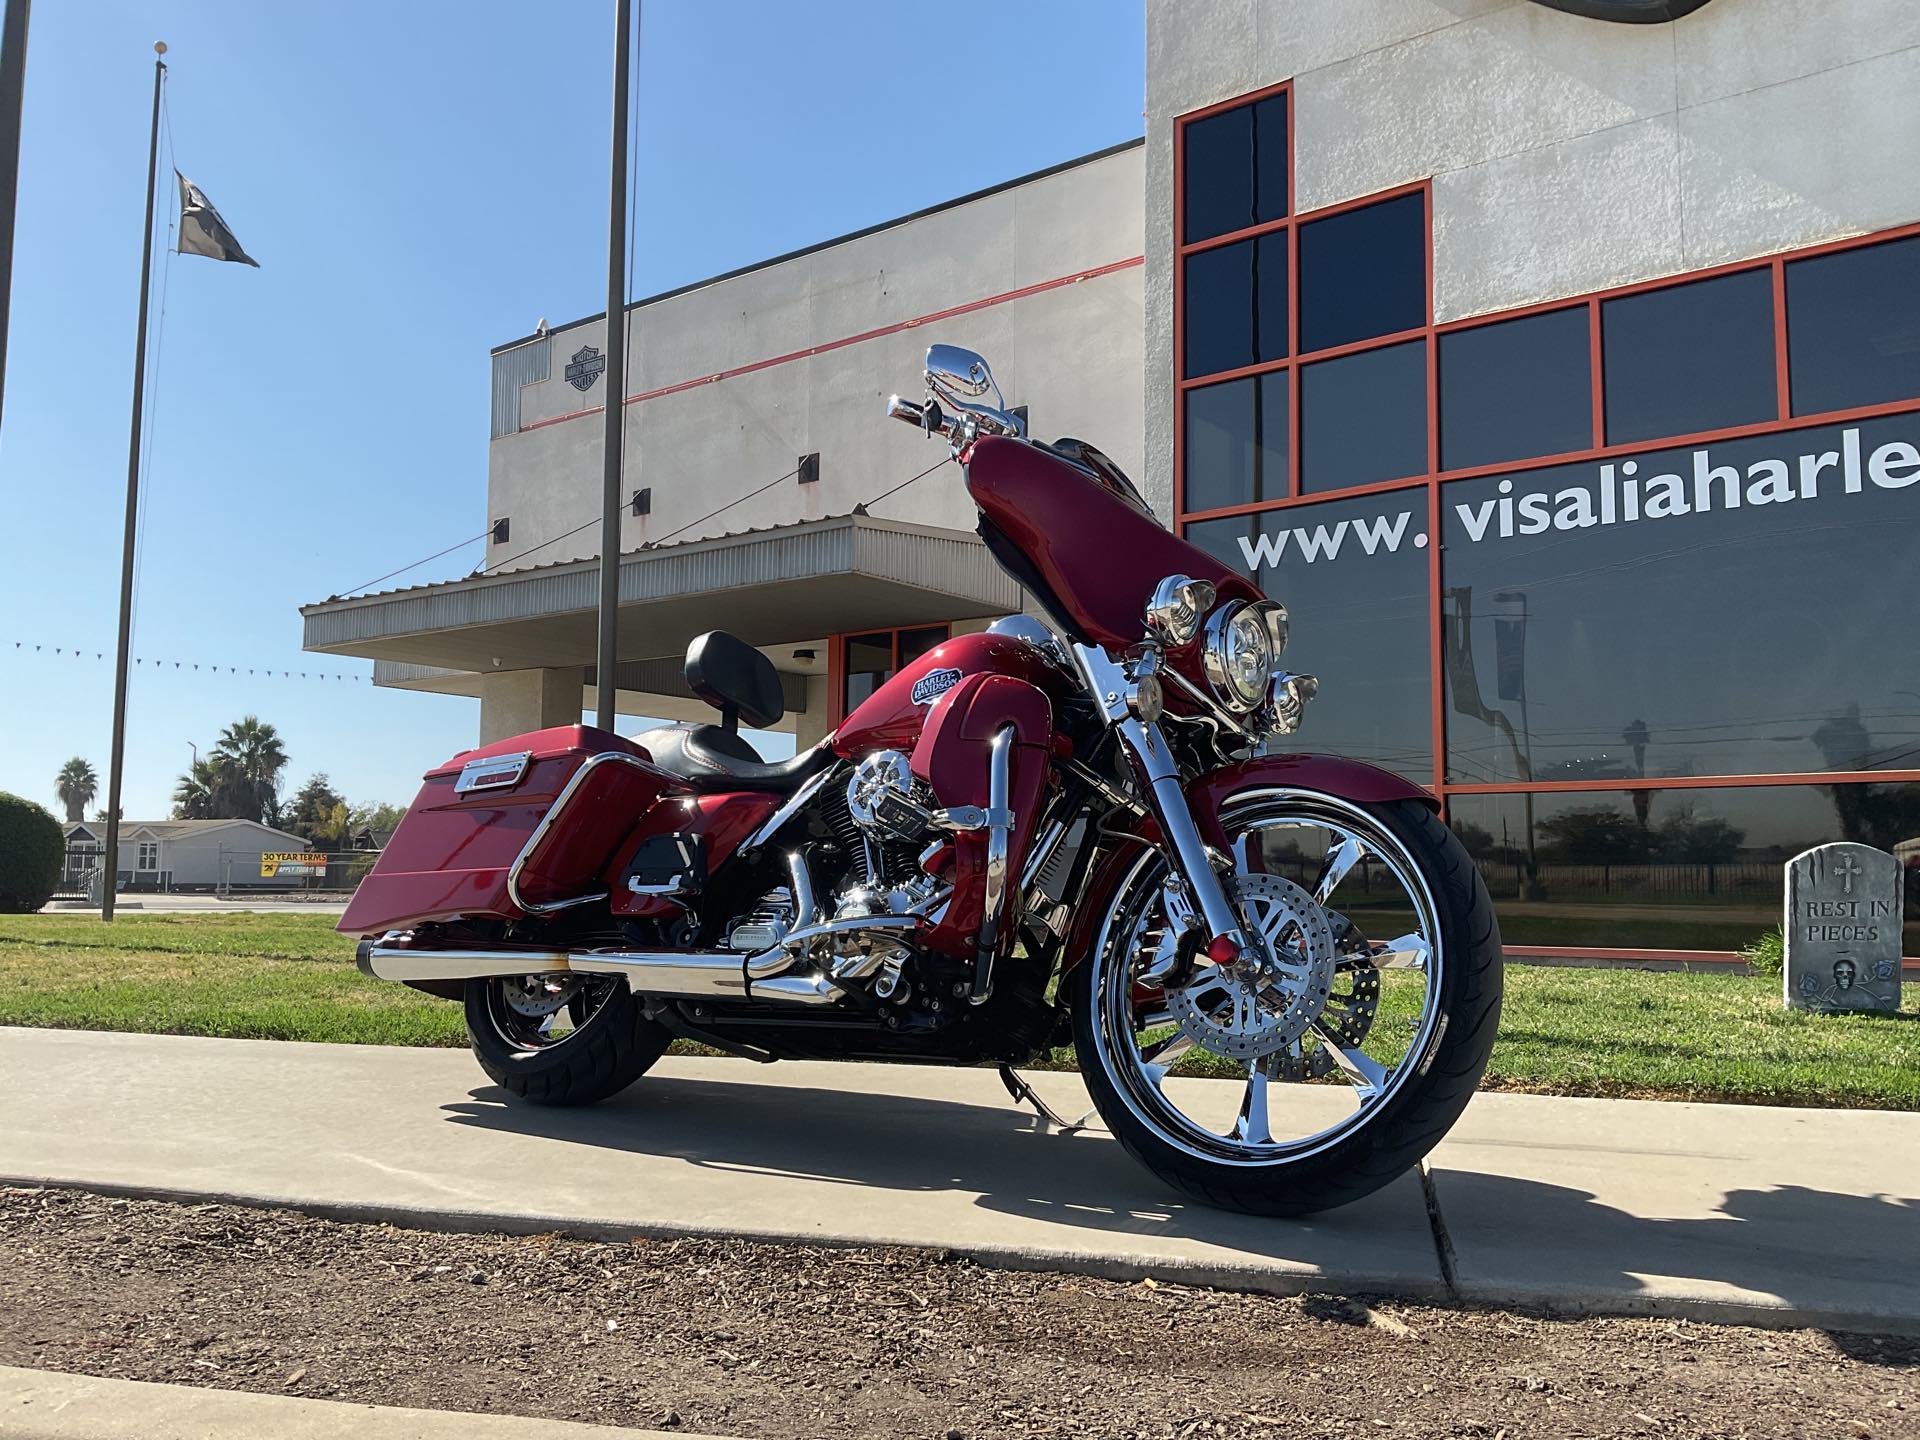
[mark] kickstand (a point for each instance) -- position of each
(1024, 1093)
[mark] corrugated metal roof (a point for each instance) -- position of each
(945, 562)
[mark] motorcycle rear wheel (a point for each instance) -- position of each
(607, 1046)
(1408, 1062)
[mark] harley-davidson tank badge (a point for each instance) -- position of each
(932, 685)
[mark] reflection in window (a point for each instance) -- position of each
(1516, 389)
(1236, 442)
(1363, 273)
(1677, 612)
(1364, 417)
(872, 660)
(1689, 358)
(1235, 169)
(1353, 574)
(1853, 327)
(1688, 869)
(1235, 305)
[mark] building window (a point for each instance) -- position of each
(1363, 418)
(1236, 304)
(1853, 327)
(1516, 389)
(1674, 613)
(1363, 273)
(1681, 869)
(869, 661)
(1689, 358)
(1355, 572)
(1236, 442)
(149, 855)
(1236, 169)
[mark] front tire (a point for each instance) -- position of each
(1279, 1158)
(577, 1046)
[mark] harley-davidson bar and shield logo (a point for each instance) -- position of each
(585, 368)
(932, 685)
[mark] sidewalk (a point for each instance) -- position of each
(1730, 1212)
(42, 1405)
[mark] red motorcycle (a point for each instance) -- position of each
(1038, 834)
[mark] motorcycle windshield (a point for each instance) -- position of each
(1086, 546)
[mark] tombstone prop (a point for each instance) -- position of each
(1842, 929)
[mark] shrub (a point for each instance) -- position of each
(31, 849)
(1767, 955)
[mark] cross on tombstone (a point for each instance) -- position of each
(1842, 929)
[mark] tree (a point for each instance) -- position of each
(1598, 835)
(76, 785)
(375, 822)
(31, 851)
(1683, 838)
(253, 757)
(317, 813)
(194, 793)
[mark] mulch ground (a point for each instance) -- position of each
(739, 1339)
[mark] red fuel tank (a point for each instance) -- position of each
(891, 717)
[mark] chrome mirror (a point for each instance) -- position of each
(958, 373)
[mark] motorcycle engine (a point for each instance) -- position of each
(891, 819)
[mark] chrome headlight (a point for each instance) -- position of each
(1173, 614)
(1239, 656)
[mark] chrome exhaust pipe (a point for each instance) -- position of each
(673, 974)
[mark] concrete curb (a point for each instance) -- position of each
(44, 1405)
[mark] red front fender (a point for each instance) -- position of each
(1329, 774)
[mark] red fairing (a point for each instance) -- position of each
(1327, 774)
(723, 820)
(891, 718)
(451, 854)
(1098, 555)
(953, 757)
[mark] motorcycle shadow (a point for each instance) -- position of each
(1004, 1157)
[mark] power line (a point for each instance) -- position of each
(866, 506)
(354, 589)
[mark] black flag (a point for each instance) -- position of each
(202, 231)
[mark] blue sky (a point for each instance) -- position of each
(419, 182)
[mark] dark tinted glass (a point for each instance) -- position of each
(1363, 273)
(915, 643)
(1689, 358)
(1236, 442)
(1353, 573)
(1853, 327)
(869, 663)
(1602, 623)
(1235, 170)
(1665, 869)
(1516, 389)
(1235, 305)
(1364, 417)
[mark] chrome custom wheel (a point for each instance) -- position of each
(1338, 1047)
(561, 1039)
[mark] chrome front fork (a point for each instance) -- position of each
(1148, 748)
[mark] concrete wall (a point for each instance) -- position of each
(1567, 154)
(513, 702)
(1072, 353)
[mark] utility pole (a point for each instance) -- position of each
(13, 89)
(133, 504)
(616, 392)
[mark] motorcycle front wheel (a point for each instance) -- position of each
(1320, 1068)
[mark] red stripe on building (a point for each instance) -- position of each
(826, 346)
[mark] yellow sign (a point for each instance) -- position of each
(287, 863)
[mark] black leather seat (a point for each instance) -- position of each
(711, 758)
(741, 683)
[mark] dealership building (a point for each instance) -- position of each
(1557, 362)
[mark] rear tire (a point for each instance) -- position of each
(1444, 1071)
(611, 1048)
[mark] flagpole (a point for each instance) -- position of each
(616, 343)
(13, 84)
(112, 877)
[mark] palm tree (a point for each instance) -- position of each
(196, 794)
(252, 757)
(76, 785)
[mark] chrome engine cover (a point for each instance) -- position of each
(884, 797)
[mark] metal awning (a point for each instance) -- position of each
(781, 585)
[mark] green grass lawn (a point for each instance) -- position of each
(1564, 1031)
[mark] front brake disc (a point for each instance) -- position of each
(1264, 1003)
